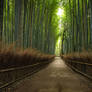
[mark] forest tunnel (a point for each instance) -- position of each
(34, 32)
(51, 26)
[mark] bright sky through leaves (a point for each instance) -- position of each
(60, 12)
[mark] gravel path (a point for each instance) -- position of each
(56, 77)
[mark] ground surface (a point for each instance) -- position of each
(56, 77)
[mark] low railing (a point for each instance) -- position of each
(81, 67)
(8, 77)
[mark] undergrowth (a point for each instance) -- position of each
(10, 57)
(84, 56)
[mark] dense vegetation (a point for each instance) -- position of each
(77, 35)
(29, 23)
(35, 24)
(10, 58)
(77, 26)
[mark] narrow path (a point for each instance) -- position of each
(57, 77)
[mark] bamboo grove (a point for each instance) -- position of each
(35, 24)
(77, 23)
(29, 24)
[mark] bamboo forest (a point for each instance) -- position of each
(43, 41)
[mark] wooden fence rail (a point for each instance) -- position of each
(8, 77)
(80, 67)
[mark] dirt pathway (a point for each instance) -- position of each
(57, 77)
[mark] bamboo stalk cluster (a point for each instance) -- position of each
(77, 33)
(28, 23)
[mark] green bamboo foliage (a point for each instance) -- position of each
(1, 17)
(77, 36)
(28, 24)
(33, 24)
